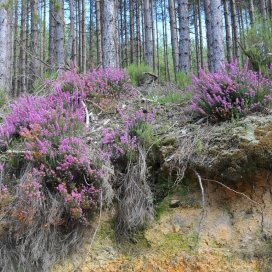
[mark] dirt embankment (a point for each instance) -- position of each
(232, 232)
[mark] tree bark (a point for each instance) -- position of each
(3, 47)
(98, 32)
(228, 32)
(131, 25)
(207, 9)
(34, 63)
(251, 12)
(217, 30)
(148, 34)
(109, 45)
(83, 30)
(235, 29)
(184, 44)
(174, 36)
(71, 55)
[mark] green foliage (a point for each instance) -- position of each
(172, 98)
(258, 45)
(136, 73)
(183, 80)
(39, 85)
(3, 98)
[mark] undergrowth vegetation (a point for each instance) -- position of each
(231, 93)
(136, 73)
(53, 181)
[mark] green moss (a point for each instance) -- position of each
(175, 242)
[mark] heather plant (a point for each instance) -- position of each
(233, 92)
(111, 82)
(49, 132)
(123, 142)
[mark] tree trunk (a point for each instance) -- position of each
(3, 46)
(228, 32)
(15, 56)
(235, 29)
(174, 36)
(71, 55)
(217, 30)
(22, 70)
(207, 8)
(200, 33)
(59, 34)
(138, 29)
(98, 32)
(196, 37)
(34, 63)
(148, 34)
(184, 44)
(109, 45)
(52, 34)
(251, 12)
(131, 25)
(83, 30)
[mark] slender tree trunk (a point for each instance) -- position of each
(79, 26)
(22, 48)
(200, 33)
(269, 6)
(131, 24)
(15, 56)
(207, 8)
(217, 30)
(109, 45)
(235, 29)
(263, 9)
(166, 43)
(228, 32)
(91, 62)
(126, 33)
(3, 46)
(52, 34)
(59, 33)
(44, 36)
(157, 37)
(251, 12)
(153, 35)
(196, 37)
(184, 45)
(98, 32)
(71, 56)
(84, 50)
(174, 36)
(148, 34)
(138, 31)
(34, 65)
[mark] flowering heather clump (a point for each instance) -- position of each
(108, 82)
(233, 92)
(50, 132)
(121, 141)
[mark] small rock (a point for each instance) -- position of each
(175, 203)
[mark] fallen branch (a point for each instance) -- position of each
(203, 206)
(86, 113)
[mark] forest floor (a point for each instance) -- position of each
(229, 231)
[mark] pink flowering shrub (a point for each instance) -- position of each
(107, 81)
(123, 141)
(50, 133)
(233, 92)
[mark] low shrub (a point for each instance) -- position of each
(136, 73)
(122, 142)
(183, 80)
(233, 92)
(107, 81)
